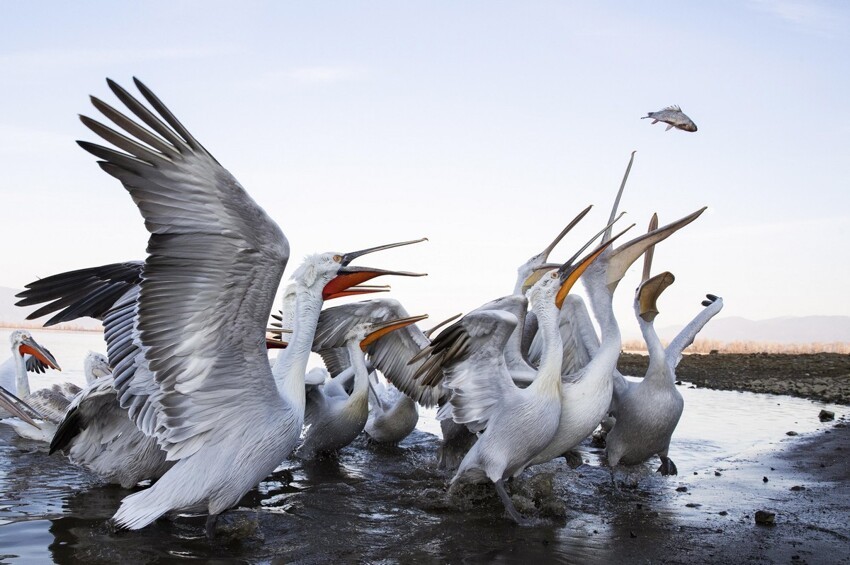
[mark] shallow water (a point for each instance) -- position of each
(390, 504)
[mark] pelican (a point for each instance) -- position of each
(514, 423)
(393, 412)
(96, 431)
(28, 354)
(586, 395)
(333, 421)
(190, 363)
(392, 415)
(648, 411)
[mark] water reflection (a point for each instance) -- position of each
(390, 505)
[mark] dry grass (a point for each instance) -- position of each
(709, 345)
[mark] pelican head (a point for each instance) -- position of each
(23, 343)
(338, 278)
(530, 272)
(96, 365)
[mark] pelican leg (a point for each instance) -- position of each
(667, 466)
(574, 459)
(210, 527)
(509, 505)
(614, 478)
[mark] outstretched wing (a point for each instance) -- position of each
(390, 354)
(215, 261)
(673, 354)
(84, 292)
(467, 357)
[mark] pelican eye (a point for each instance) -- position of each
(338, 258)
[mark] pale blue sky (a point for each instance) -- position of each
(484, 126)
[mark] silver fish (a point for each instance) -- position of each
(673, 117)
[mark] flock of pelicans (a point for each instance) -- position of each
(188, 398)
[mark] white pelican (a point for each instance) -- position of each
(648, 411)
(97, 432)
(27, 354)
(586, 395)
(515, 423)
(333, 421)
(392, 414)
(195, 373)
(577, 332)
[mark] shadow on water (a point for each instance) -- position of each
(378, 504)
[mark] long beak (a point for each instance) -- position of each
(538, 272)
(623, 257)
(348, 279)
(647, 257)
(545, 253)
(570, 273)
(17, 407)
(649, 292)
(384, 328)
(607, 235)
(30, 346)
(349, 257)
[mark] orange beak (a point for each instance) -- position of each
(570, 273)
(42, 354)
(384, 328)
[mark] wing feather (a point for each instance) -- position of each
(215, 259)
(390, 354)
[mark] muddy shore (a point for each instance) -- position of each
(812, 516)
(819, 376)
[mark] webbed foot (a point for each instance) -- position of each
(667, 467)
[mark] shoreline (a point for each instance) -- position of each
(817, 376)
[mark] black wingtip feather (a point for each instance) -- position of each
(68, 429)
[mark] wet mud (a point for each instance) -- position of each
(392, 505)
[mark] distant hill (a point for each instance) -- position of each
(804, 329)
(15, 316)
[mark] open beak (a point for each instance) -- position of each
(384, 328)
(570, 272)
(348, 278)
(17, 407)
(29, 345)
(623, 257)
(607, 235)
(348, 281)
(647, 257)
(648, 294)
(544, 255)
